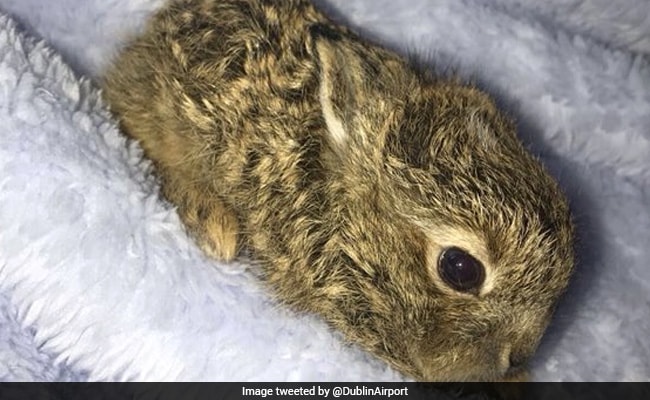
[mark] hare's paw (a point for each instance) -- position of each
(218, 237)
(213, 226)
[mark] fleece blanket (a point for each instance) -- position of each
(98, 280)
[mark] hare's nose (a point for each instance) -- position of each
(517, 360)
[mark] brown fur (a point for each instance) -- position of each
(345, 172)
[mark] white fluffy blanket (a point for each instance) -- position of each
(99, 282)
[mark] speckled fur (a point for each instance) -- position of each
(345, 172)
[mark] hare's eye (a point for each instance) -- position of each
(459, 270)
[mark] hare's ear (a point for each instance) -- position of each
(340, 82)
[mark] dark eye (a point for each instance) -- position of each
(459, 270)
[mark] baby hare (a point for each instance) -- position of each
(399, 207)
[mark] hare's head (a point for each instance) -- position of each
(454, 244)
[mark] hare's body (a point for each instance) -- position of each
(347, 175)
